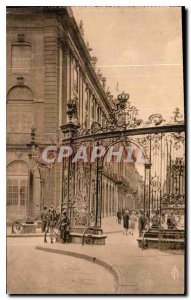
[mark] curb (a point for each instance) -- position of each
(98, 261)
(24, 235)
(110, 232)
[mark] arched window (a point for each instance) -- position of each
(20, 110)
(17, 183)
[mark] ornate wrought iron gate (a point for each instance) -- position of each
(164, 175)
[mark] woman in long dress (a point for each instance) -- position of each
(133, 220)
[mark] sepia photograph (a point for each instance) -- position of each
(95, 159)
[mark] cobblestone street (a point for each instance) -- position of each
(35, 272)
(139, 271)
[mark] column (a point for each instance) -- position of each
(147, 189)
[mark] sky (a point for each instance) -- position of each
(141, 49)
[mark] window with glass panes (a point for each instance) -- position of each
(12, 192)
(17, 183)
(17, 191)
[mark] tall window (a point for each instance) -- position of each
(20, 110)
(21, 57)
(17, 183)
(12, 191)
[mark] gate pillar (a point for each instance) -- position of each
(147, 190)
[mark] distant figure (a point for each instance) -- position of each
(126, 221)
(65, 228)
(181, 223)
(133, 220)
(57, 216)
(123, 212)
(156, 220)
(49, 217)
(141, 223)
(164, 220)
(119, 216)
(171, 223)
(52, 210)
(49, 223)
(44, 219)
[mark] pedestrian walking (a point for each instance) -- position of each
(126, 221)
(49, 224)
(49, 217)
(44, 218)
(141, 223)
(119, 216)
(133, 220)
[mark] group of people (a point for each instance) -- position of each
(130, 218)
(172, 220)
(167, 220)
(51, 217)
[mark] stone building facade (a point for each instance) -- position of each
(48, 64)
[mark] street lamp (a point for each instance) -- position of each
(43, 167)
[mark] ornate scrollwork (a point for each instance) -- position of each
(155, 119)
(72, 111)
(80, 172)
(81, 213)
(122, 115)
(178, 167)
(178, 117)
(96, 127)
(155, 183)
(94, 61)
(179, 139)
(173, 200)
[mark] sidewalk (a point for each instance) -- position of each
(109, 225)
(136, 271)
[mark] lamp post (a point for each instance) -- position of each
(43, 167)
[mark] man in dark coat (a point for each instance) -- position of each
(141, 223)
(65, 227)
(126, 221)
(49, 217)
(52, 210)
(44, 218)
